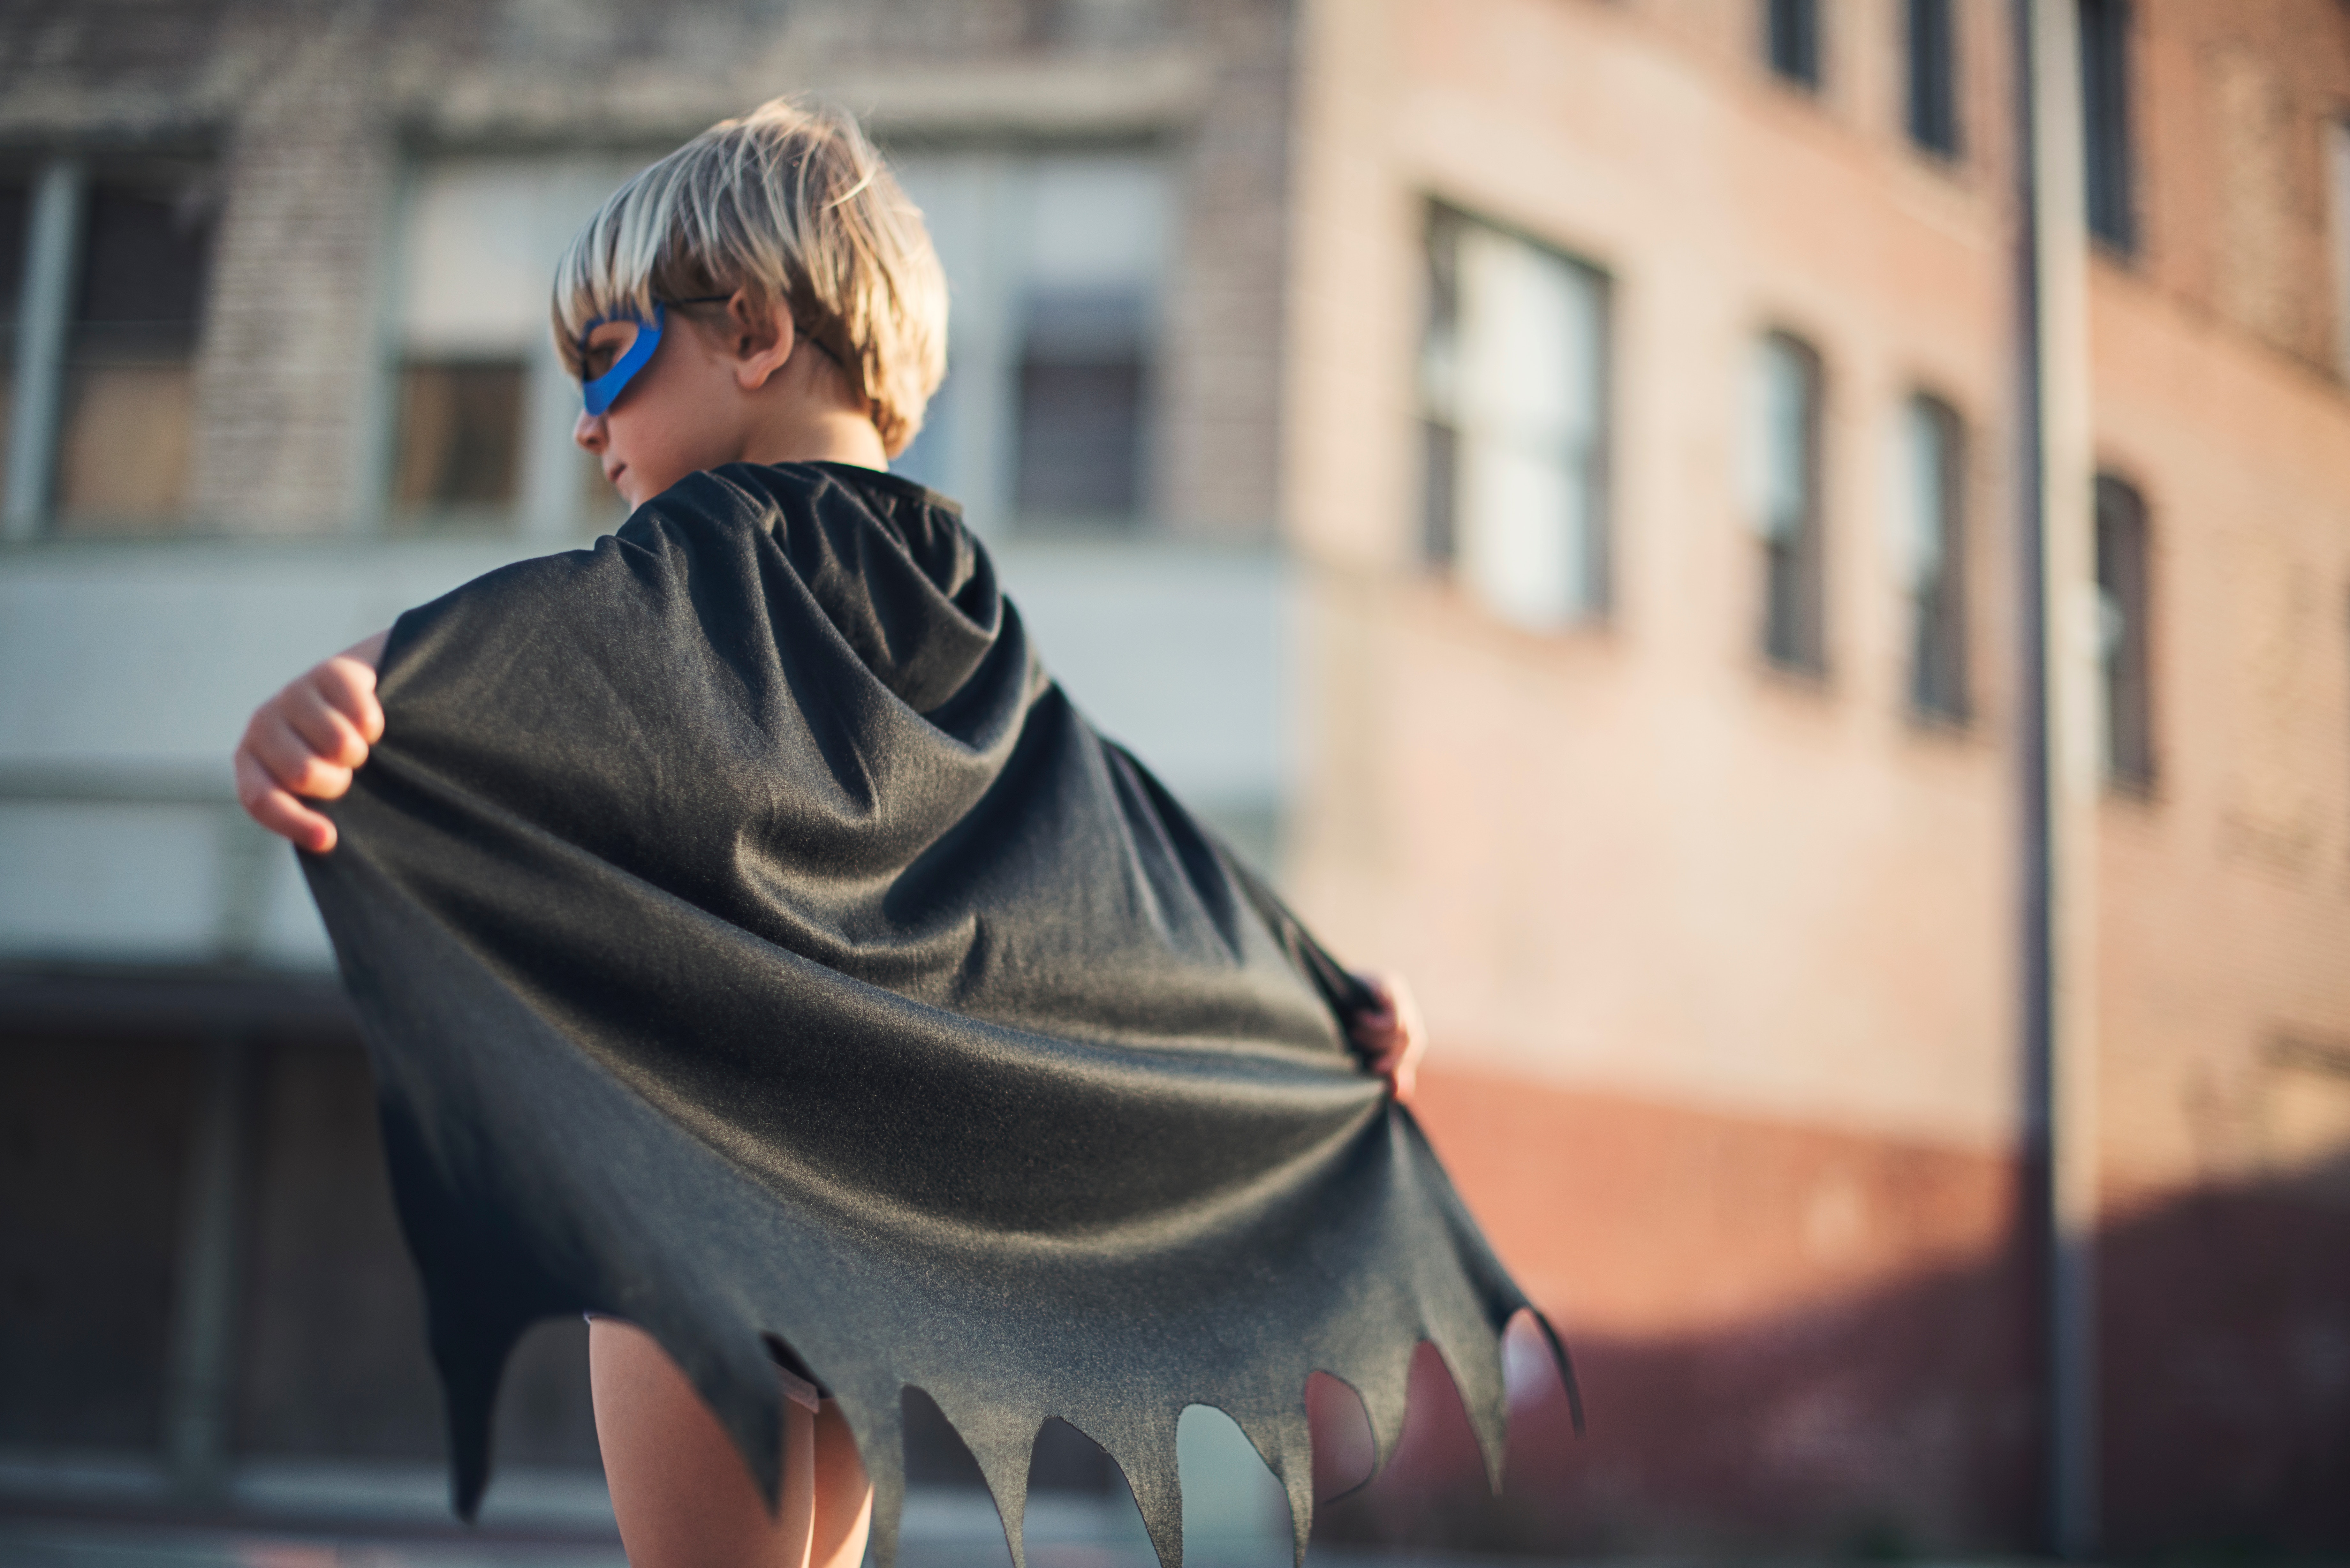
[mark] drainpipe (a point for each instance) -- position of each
(2062, 765)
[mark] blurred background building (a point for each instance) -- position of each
(1548, 476)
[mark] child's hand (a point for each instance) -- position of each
(1392, 1039)
(306, 740)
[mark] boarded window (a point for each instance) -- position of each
(458, 430)
(1513, 370)
(2124, 643)
(1784, 501)
(128, 387)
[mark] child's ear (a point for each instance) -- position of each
(761, 337)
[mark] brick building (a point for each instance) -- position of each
(1547, 472)
(1700, 814)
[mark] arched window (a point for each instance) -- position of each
(2123, 599)
(1931, 545)
(1784, 502)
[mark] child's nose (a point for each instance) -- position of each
(588, 431)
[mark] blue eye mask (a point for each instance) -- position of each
(599, 393)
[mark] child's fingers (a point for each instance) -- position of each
(329, 731)
(1391, 1034)
(277, 811)
(349, 686)
(291, 762)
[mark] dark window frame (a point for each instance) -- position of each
(1931, 44)
(2125, 571)
(2109, 161)
(1791, 41)
(1793, 627)
(1440, 534)
(15, 241)
(1939, 648)
(1090, 358)
(15, 238)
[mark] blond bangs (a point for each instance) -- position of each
(790, 203)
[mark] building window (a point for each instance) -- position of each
(459, 435)
(1514, 386)
(1056, 263)
(129, 394)
(481, 409)
(1080, 409)
(2123, 640)
(104, 283)
(1933, 78)
(1933, 557)
(2105, 120)
(1784, 502)
(1092, 244)
(1791, 40)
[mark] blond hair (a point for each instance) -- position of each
(791, 203)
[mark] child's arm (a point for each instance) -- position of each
(307, 741)
(1393, 1039)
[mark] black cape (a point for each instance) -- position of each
(750, 940)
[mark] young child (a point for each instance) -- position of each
(765, 295)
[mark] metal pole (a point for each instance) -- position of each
(42, 313)
(2062, 758)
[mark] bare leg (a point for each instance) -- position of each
(679, 1491)
(844, 1497)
